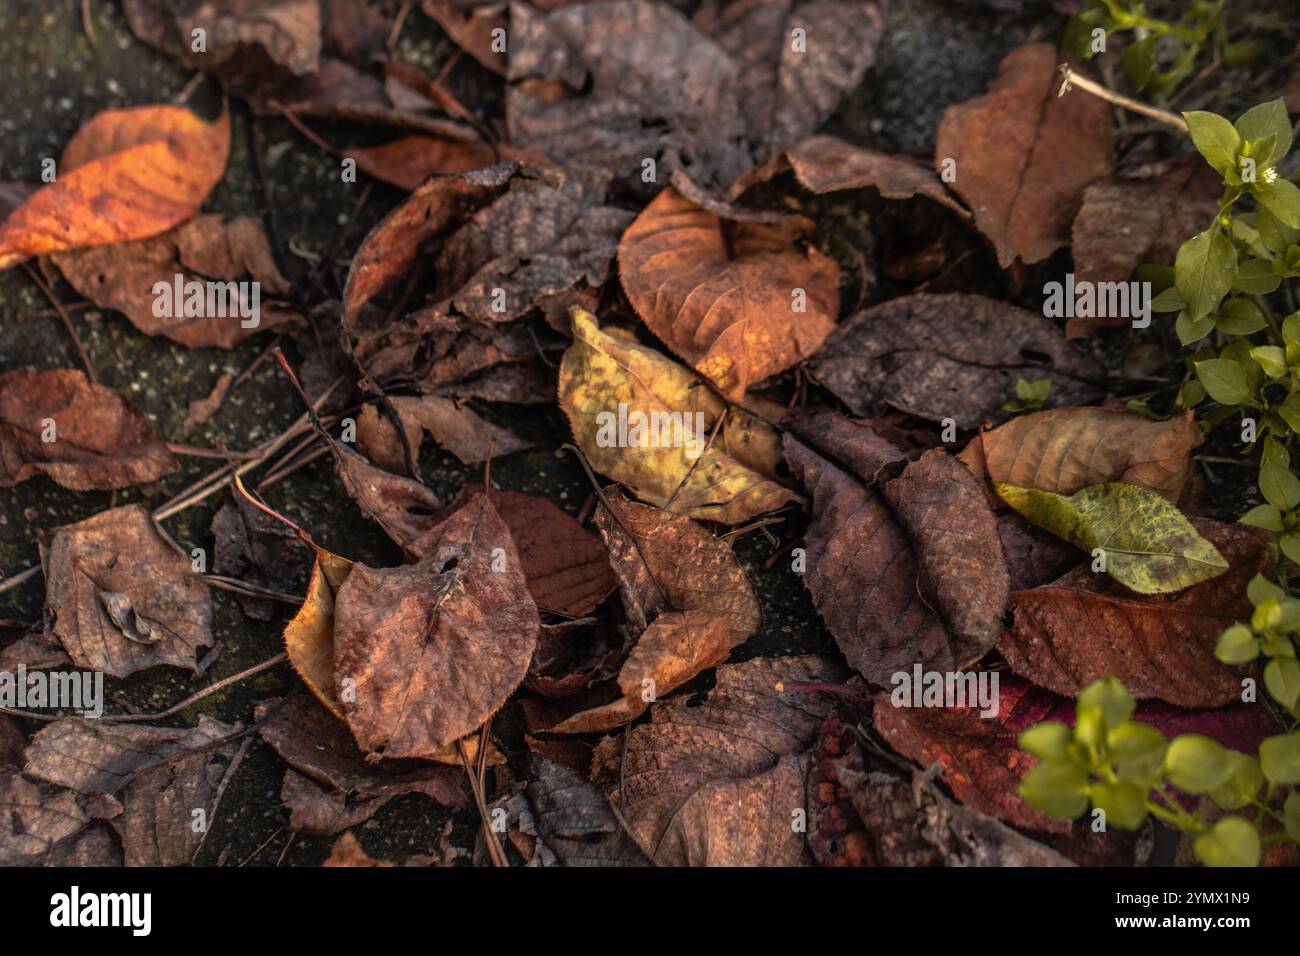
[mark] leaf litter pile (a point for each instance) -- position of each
(638, 242)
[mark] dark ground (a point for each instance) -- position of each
(52, 80)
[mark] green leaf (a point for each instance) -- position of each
(1280, 758)
(1243, 783)
(1282, 678)
(1191, 331)
(1170, 301)
(1215, 138)
(1271, 359)
(1263, 516)
(1108, 696)
(1279, 486)
(1204, 271)
(1147, 544)
(1254, 277)
(1136, 751)
(1290, 545)
(1291, 810)
(1057, 789)
(1260, 589)
(1281, 198)
(1197, 764)
(1265, 121)
(1289, 410)
(1224, 380)
(1241, 316)
(1237, 645)
(1231, 842)
(1139, 60)
(1047, 741)
(1124, 804)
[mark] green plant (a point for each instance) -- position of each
(1225, 286)
(1030, 395)
(1177, 44)
(1128, 771)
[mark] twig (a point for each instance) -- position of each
(206, 692)
(1072, 79)
(63, 315)
(87, 23)
(495, 852)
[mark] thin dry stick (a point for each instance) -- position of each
(199, 695)
(494, 848)
(63, 315)
(87, 23)
(1072, 79)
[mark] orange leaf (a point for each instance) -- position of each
(127, 174)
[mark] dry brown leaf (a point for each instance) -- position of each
(452, 426)
(127, 174)
(739, 301)
(34, 819)
(566, 565)
(669, 562)
(825, 164)
(249, 545)
(1085, 626)
(210, 249)
(787, 90)
(425, 653)
(722, 783)
(1067, 449)
(122, 598)
(84, 436)
(1024, 155)
(950, 356)
(1124, 223)
(410, 160)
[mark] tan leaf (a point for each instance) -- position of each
(127, 174)
(1067, 449)
(454, 427)
(739, 301)
(97, 440)
(1024, 155)
(122, 598)
(425, 653)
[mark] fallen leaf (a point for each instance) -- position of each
(790, 88)
(410, 160)
(824, 164)
(739, 301)
(961, 572)
(217, 250)
(1024, 154)
(159, 775)
(12, 743)
(950, 356)
(607, 376)
(628, 80)
(669, 562)
(403, 636)
(470, 28)
(575, 819)
(126, 174)
(34, 819)
(287, 32)
(1083, 627)
(567, 567)
(201, 410)
(1145, 542)
(1067, 449)
(402, 506)
(250, 545)
(1124, 223)
(719, 784)
(122, 599)
(84, 436)
(1034, 557)
(454, 427)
